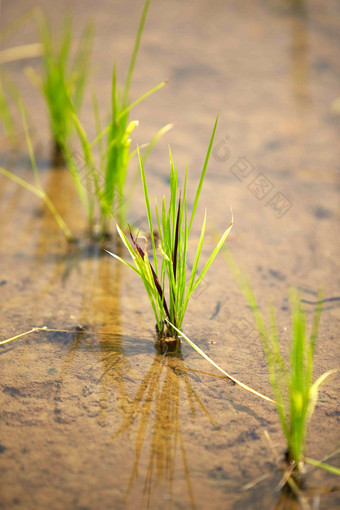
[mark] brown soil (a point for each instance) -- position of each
(93, 417)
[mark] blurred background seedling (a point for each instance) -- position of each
(64, 75)
(100, 170)
(101, 174)
(101, 179)
(295, 392)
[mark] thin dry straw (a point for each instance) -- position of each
(244, 386)
(43, 328)
(21, 52)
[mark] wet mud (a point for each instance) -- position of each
(93, 416)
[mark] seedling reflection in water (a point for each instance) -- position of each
(174, 228)
(165, 398)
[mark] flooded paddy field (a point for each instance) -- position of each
(92, 415)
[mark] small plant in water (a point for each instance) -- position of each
(101, 180)
(62, 79)
(174, 228)
(292, 382)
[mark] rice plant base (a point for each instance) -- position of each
(298, 470)
(168, 345)
(58, 157)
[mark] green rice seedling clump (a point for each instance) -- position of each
(174, 227)
(101, 180)
(295, 391)
(64, 75)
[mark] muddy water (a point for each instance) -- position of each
(92, 416)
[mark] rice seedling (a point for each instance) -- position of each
(37, 188)
(63, 78)
(174, 228)
(101, 177)
(295, 392)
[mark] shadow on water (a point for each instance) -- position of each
(100, 308)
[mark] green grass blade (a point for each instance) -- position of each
(278, 373)
(165, 129)
(88, 154)
(194, 267)
(123, 261)
(313, 392)
(148, 210)
(126, 242)
(127, 110)
(327, 467)
(135, 52)
(200, 184)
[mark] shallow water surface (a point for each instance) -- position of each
(91, 414)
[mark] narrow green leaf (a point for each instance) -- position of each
(148, 210)
(123, 261)
(200, 184)
(322, 465)
(313, 393)
(135, 52)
